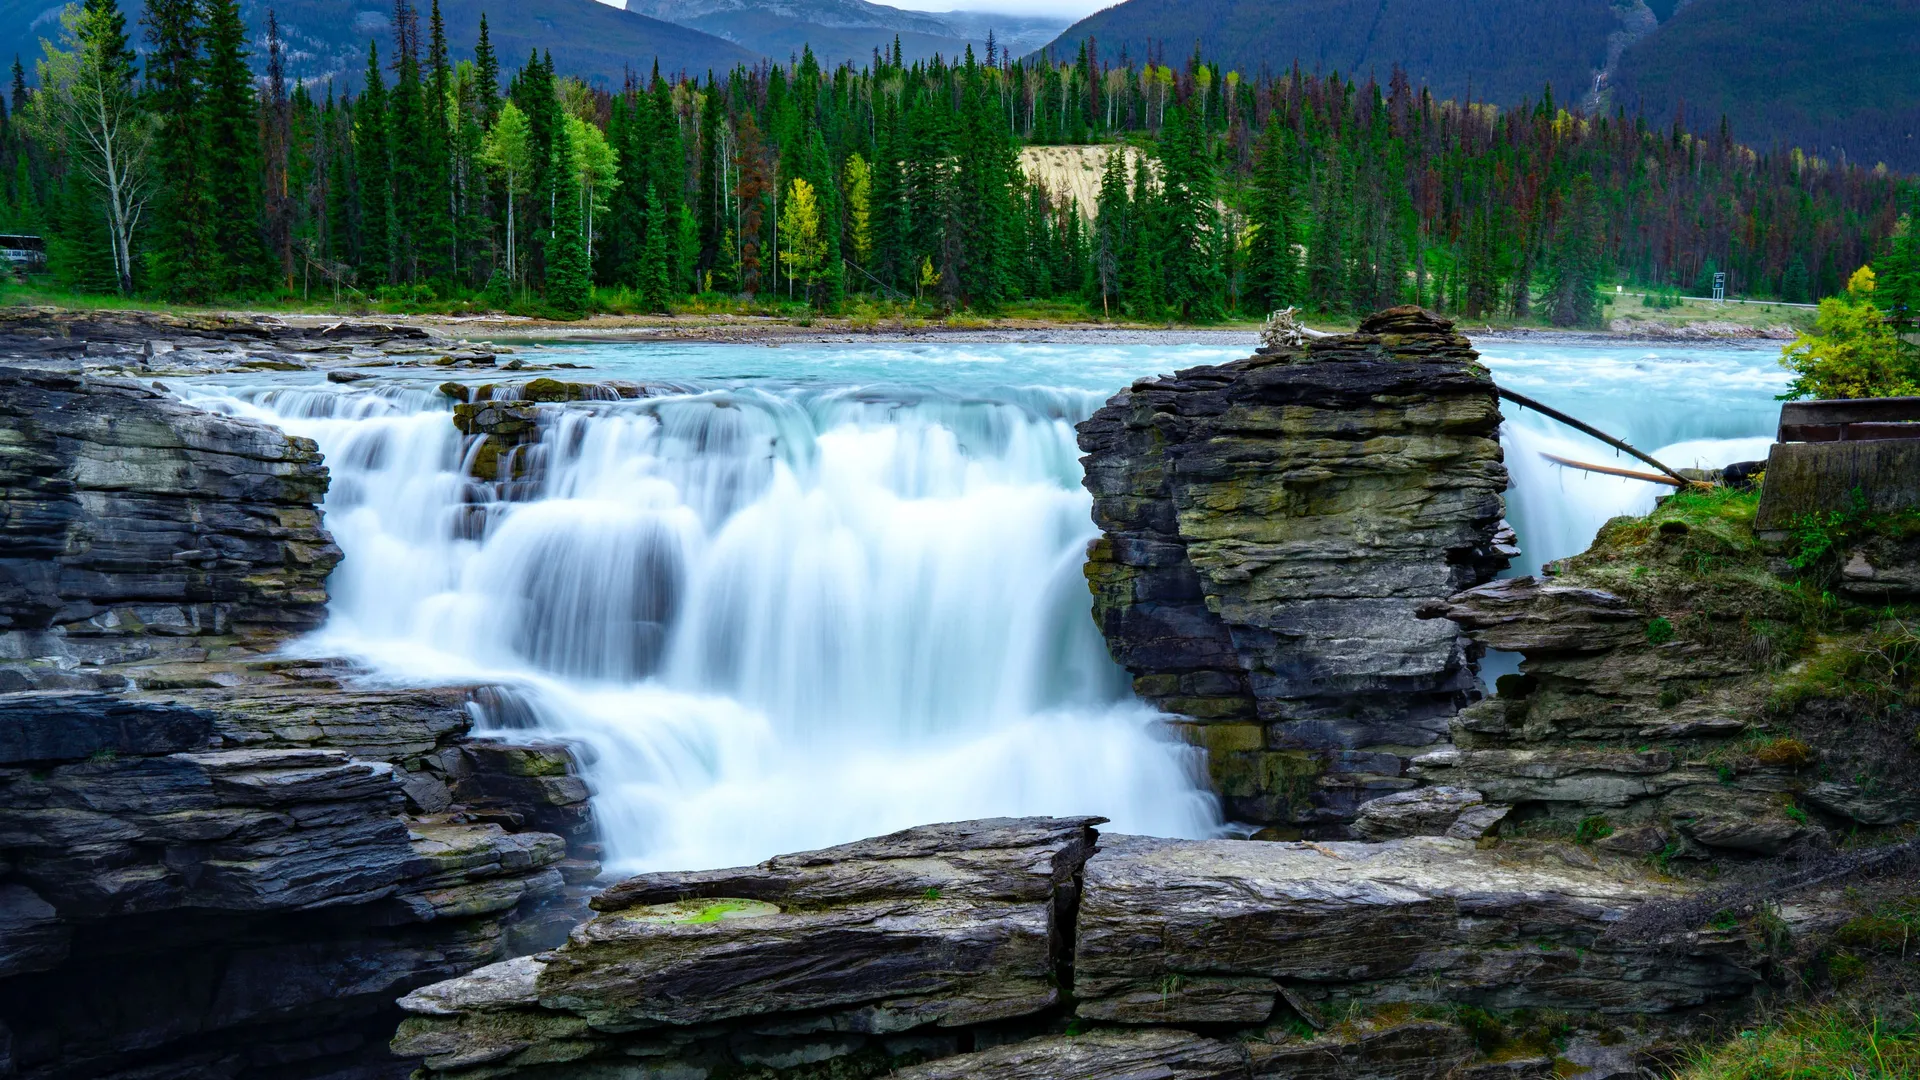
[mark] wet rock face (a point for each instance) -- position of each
(936, 928)
(131, 524)
(1032, 948)
(1270, 527)
(255, 867)
(216, 861)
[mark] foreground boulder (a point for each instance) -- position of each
(1271, 525)
(1219, 931)
(1006, 947)
(805, 956)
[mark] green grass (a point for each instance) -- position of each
(1826, 1043)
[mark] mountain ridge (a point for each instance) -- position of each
(1831, 76)
(327, 39)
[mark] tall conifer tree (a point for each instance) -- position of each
(569, 288)
(233, 152)
(373, 163)
(181, 260)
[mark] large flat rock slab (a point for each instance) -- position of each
(1225, 931)
(939, 927)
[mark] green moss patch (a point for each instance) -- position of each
(694, 912)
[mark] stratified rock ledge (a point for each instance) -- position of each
(1007, 947)
(1269, 529)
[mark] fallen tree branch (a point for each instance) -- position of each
(1550, 411)
(1609, 470)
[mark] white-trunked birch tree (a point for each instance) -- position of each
(87, 108)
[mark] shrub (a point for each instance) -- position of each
(1852, 353)
(1659, 630)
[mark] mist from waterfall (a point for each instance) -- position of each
(807, 594)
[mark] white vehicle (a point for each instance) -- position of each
(23, 251)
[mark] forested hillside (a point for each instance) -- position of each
(327, 39)
(533, 190)
(1831, 76)
(1503, 51)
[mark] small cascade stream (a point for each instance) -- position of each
(819, 593)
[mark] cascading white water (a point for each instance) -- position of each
(771, 619)
(1697, 407)
(772, 615)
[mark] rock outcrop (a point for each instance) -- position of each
(1011, 948)
(1219, 931)
(260, 906)
(1686, 692)
(134, 528)
(1271, 525)
(148, 343)
(216, 861)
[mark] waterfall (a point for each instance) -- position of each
(768, 618)
(789, 602)
(1695, 407)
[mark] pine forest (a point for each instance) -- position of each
(159, 164)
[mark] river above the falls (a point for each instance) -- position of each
(814, 592)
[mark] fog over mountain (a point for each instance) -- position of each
(839, 30)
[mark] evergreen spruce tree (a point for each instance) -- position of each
(655, 283)
(1190, 223)
(374, 167)
(892, 231)
(1273, 262)
(1141, 286)
(1110, 254)
(407, 135)
(487, 70)
(337, 236)
(1897, 277)
(1573, 272)
(182, 263)
(1481, 270)
(1327, 245)
(1795, 283)
(438, 212)
(667, 171)
(569, 287)
(709, 206)
(232, 119)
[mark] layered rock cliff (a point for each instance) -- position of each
(1010, 947)
(134, 528)
(216, 861)
(1690, 689)
(1271, 525)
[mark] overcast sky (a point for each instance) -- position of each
(1072, 9)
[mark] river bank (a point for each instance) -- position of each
(1691, 321)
